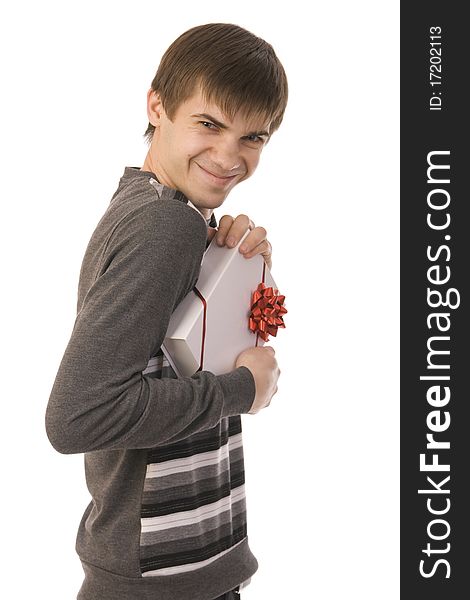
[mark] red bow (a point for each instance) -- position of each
(266, 311)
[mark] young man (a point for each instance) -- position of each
(163, 455)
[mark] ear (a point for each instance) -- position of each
(154, 108)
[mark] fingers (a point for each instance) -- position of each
(231, 230)
(225, 223)
(256, 243)
(264, 248)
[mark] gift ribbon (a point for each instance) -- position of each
(204, 319)
(266, 311)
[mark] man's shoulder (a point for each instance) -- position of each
(141, 216)
(145, 230)
(143, 207)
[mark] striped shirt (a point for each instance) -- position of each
(163, 455)
(193, 504)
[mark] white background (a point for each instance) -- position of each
(322, 460)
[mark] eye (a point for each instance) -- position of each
(207, 124)
(254, 138)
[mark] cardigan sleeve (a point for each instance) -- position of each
(100, 399)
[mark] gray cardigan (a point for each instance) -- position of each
(115, 399)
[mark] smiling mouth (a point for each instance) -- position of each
(218, 178)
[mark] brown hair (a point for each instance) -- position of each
(236, 70)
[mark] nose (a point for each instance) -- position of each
(226, 157)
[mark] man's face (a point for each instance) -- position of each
(201, 152)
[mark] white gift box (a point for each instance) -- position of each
(210, 326)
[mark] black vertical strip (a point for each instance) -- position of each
(213, 221)
(435, 272)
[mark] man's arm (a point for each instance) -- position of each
(100, 399)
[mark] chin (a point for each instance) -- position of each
(208, 200)
(219, 201)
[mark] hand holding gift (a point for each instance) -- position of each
(263, 366)
(230, 232)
